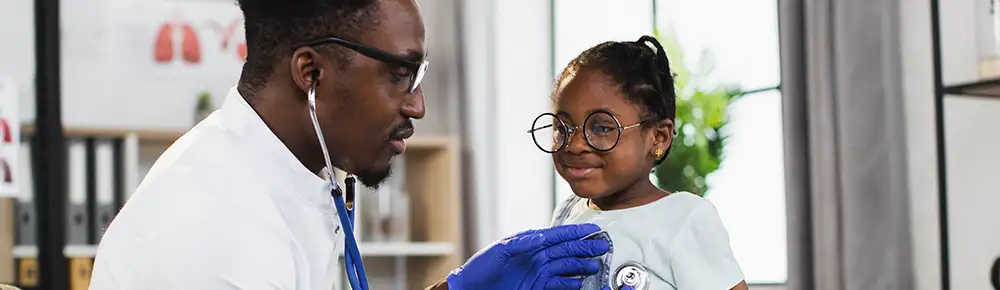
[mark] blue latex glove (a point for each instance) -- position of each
(534, 259)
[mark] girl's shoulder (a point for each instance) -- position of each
(673, 211)
(678, 205)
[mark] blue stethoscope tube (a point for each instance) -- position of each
(352, 255)
(354, 266)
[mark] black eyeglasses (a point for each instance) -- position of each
(601, 130)
(419, 68)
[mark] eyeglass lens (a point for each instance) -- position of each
(601, 131)
(418, 77)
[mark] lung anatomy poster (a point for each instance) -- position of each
(147, 64)
(179, 39)
(9, 138)
(203, 36)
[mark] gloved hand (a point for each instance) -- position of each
(534, 259)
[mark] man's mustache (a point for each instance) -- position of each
(402, 131)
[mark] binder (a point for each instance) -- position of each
(77, 232)
(121, 173)
(105, 186)
(130, 156)
(80, 225)
(25, 240)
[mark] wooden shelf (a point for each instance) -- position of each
(987, 86)
(417, 142)
(143, 135)
(430, 249)
(375, 249)
(432, 183)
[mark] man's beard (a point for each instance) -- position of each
(373, 179)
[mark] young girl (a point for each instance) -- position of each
(613, 122)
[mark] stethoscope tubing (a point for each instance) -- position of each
(355, 267)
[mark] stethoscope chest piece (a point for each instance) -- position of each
(632, 274)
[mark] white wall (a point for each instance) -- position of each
(110, 78)
(508, 79)
(971, 142)
(17, 53)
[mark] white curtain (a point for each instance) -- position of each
(848, 207)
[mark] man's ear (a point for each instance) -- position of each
(664, 133)
(305, 67)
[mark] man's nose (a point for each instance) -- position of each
(414, 106)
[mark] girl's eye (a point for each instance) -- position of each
(601, 129)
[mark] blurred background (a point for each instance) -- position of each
(846, 144)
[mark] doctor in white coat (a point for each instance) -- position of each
(238, 203)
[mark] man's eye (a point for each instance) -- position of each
(400, 75)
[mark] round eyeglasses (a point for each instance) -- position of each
(601, 130)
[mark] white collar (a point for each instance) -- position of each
(238, 117)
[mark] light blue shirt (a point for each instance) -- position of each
(679, 240)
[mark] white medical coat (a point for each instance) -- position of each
(227, 206)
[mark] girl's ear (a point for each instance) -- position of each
(663, 134)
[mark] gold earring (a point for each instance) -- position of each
(658, 153)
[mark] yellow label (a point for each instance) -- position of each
(79, 273)
(27, 272)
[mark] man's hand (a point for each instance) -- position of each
(534, 259)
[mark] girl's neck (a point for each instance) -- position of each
(637, 194)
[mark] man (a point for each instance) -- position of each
(238, 202)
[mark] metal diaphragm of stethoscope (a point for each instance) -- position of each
(355, 268)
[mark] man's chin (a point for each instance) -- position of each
(373, 178)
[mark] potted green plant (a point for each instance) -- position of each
(203, 106)
(702, 113)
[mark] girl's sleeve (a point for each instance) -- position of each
(702, 258)
(562, 211)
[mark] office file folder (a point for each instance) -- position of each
(25, 239)
(130, 149)
(106, 186)
(82, 189)
(77, 230)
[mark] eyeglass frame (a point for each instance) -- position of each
(419, 68)
(573, 129)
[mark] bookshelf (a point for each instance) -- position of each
(431, 248)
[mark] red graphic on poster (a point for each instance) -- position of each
(165, 43)
(242, 51)
(190, 47)
(227, 33)
(164, 47)
(5, 128)
(7, 178)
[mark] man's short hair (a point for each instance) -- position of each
(275, 27)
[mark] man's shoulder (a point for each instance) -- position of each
(204, 159)
(206, 251)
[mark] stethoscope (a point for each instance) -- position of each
(354, 266)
